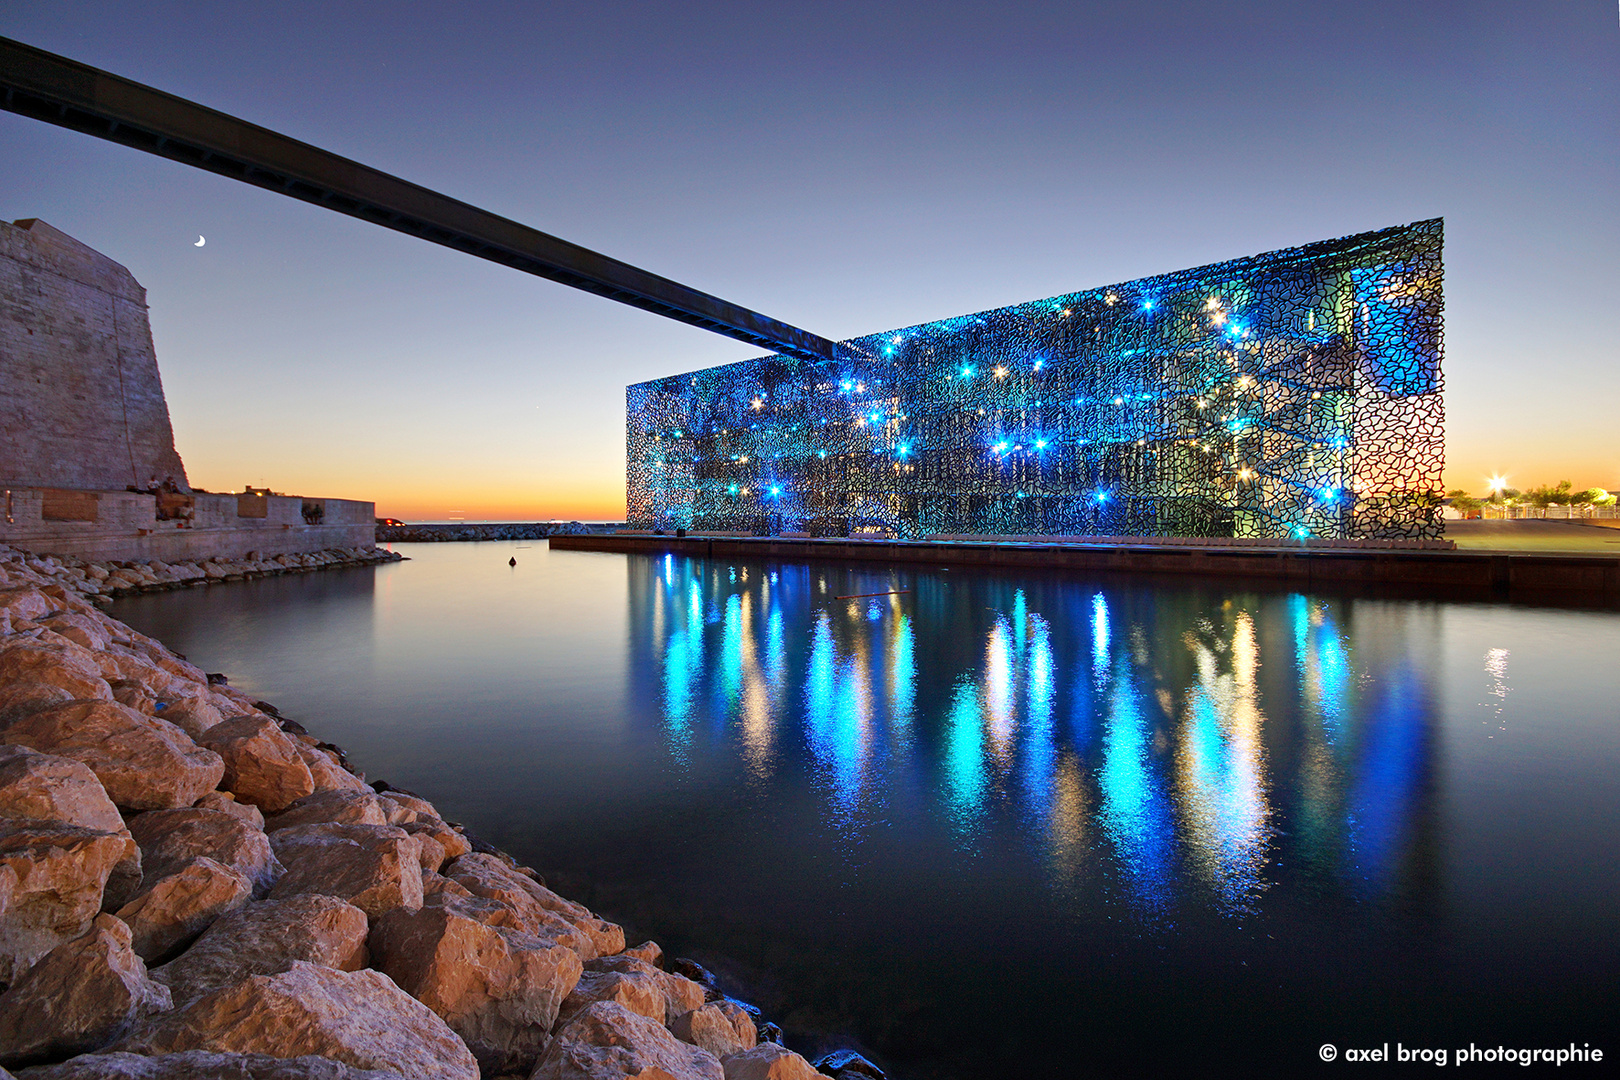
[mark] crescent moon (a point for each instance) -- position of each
(201, 240)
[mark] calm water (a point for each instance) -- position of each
(1000, 824)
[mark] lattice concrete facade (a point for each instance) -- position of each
(1295, 394)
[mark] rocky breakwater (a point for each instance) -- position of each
(122, 578)
(192, 886)
(451, 533)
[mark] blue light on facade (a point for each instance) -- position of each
(1319, 408)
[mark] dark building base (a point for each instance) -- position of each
(1564, 580)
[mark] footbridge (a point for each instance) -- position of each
(69, 94)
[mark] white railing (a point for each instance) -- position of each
(1551, 513)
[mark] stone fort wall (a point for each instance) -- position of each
(83, 419)
(81, 402)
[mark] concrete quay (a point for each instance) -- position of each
(1564, 579)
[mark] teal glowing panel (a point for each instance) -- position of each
(1295, 394)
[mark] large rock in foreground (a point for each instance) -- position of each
(720, 1027)
(262, 764)
(168, 916)
(267, 938)
(498, 988)
(55, 876)
(43, 787)
(171, 839)
(768, 1061)
(143, 763)
(544, 913)
(640, 992)
(226, 803)
(360, 1018)
(608, 1042)
(81, 996)
(327, 773)
(681, 995)
(374, 867)
(35, 675)
(335, 807)
(203, 1065)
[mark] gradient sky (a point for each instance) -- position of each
(844, 167)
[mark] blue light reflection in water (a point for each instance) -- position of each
(1154, 772)
(1194, 815)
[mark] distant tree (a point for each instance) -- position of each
(1463, 502)
(1505, 495)
(1599, 497)
(1544, 496)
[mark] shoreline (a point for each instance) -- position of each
(176, 856)
(454, 532)
(113, 579)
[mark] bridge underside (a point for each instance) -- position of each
(69, 94)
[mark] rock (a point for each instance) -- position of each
(488, 876)
(53, 876)
(193, 713)
(713, 1028)
(768, 1032)
(640, 992)
(608, 1041)
(375, 867)
(226, 803)
(848, 1065)
(25, 602)
(84, 994)
(265, 938)
(698, 974)
(360, 1018)
(262, 765)
(451, 842)
(131, 693)
(170, 839)
(203, 1065)
(80, 629)
(328, 774)
(741, 1018)
(498, 988)
(34, 676)
(170, 914)
(44, 787)
(682, 994)
(648, 952)
(340, 807)
(142, 762)
(750, 1011)
(407, 807)
(430, 853)
(126, 665)
(768, 1061)
(522, 909)
(433, 883)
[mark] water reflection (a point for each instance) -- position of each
(1159, 750)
